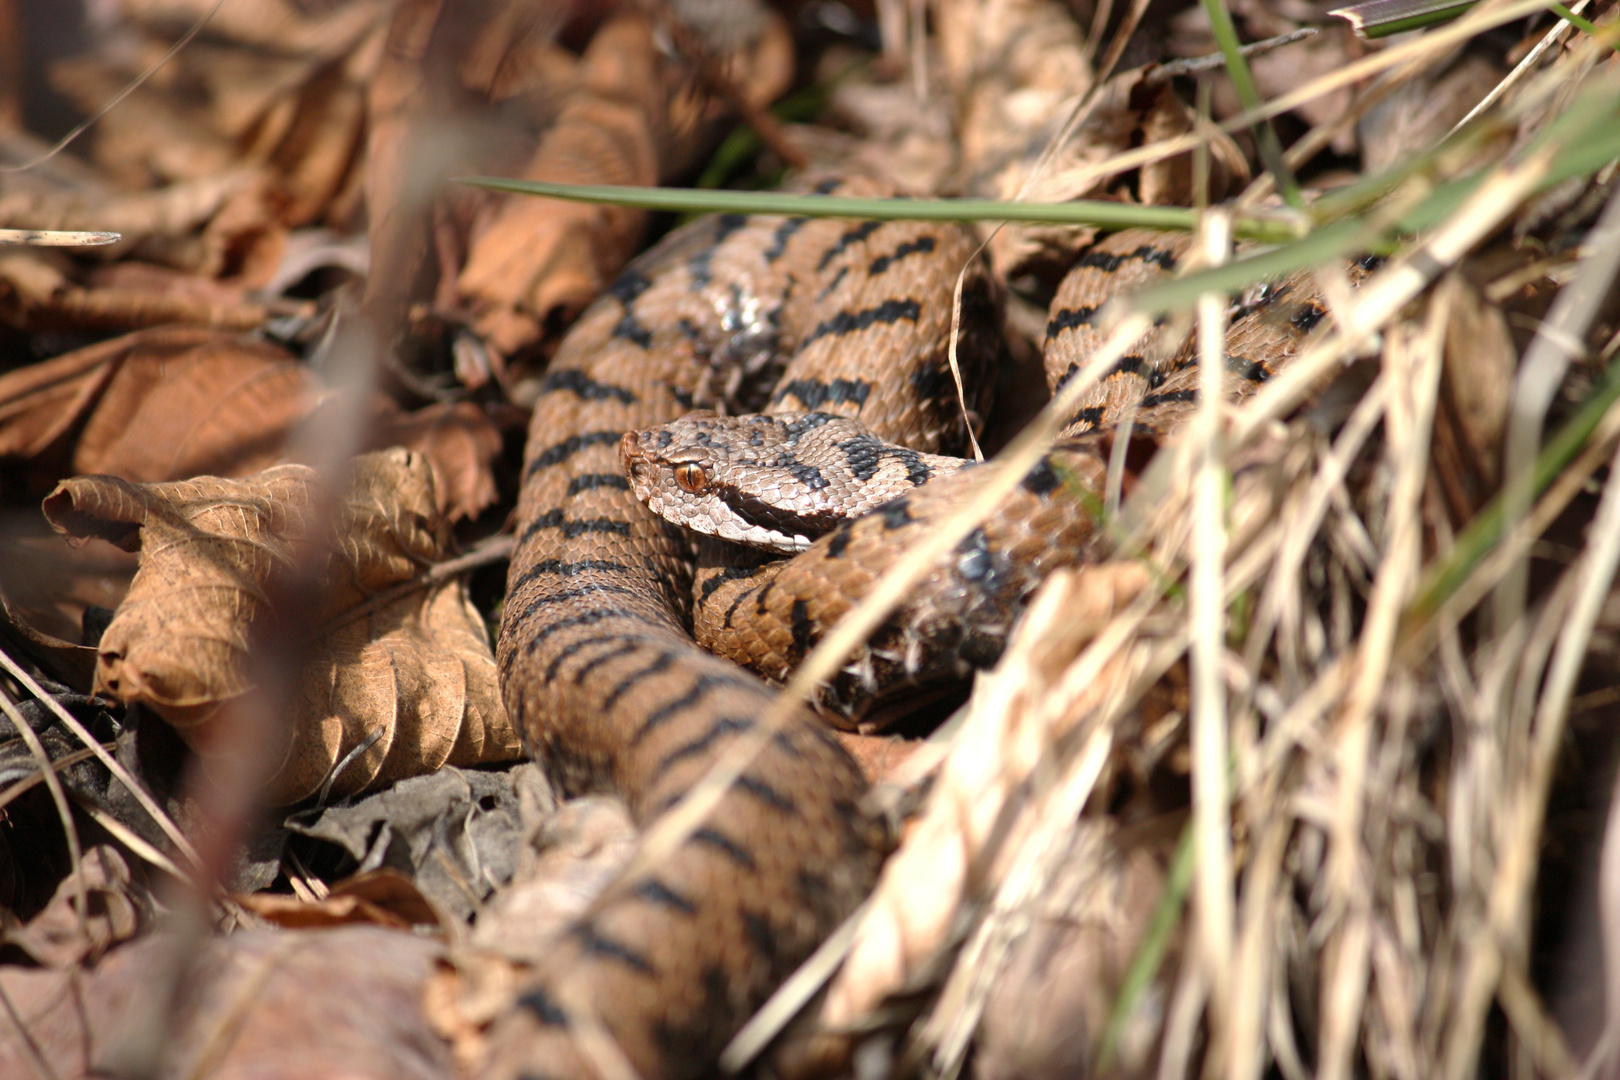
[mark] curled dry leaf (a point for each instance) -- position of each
(220, 224)
(39, 291)
(117, 906)
(1018, 71)
(583, 846)
(624, 121)
(390, 691)
(539, 256)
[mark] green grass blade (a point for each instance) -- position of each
(1487, 528)
(1155, 944)
(1080, 212)
(1237, 69)
(1382, 18)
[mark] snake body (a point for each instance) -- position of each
(767, 614)
(599, 668)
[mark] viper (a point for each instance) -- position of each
(843, 321)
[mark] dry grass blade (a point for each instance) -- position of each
(1541, 373)
(1211, 820)
(135, 787)
(81, 897)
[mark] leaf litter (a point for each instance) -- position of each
(1360, 831)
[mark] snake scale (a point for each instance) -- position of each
(596, 653)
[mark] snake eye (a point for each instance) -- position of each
(689, 475)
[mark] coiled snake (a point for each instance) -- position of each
(599, 668)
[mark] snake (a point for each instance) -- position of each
(842, 323)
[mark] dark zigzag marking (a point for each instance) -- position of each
(720, 726)
(629, 285)
(630, 329)
(660, 663)
(700, 689)
(1090, 416)
(558, 453)
(621, 647)
(569, 594)
(850, 322)
(590, 618)
(1254, 371)
(815, 393)
(1170, 398)
(803, 629)
(1109, 262)
(766, 794)
(585, 387)
(796, 429)
(727, 574)
(592, 481)
(895, 513)
(839, 542)
(933, 383)
(656, 892)
(1305, 319)
(547, 1011)
(600, 945)
(713, 838)
(761, 935)
(853, 236)
(1069, 319)
(836, 281)
(570, 528)
(920, 246)
(1041, 479)
(566, 568)
(784, 232)
(700, 265)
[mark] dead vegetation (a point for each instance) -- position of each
(1312, 778)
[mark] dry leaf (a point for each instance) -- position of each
(171, 403)
(390, 691)
(271, 87)
(383, 898)
(538, 258)
(258, 1005)
(462, 441)
(1050, 1003)
(55, 937)
(38, 292)
(155, 405)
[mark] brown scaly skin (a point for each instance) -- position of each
(768, 615)
(598, 669)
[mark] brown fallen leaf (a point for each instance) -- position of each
(536, 258)
(1050, 1004)
(115, 909)
(155, 405)
(462, 441)
(383, 898)
(264, 1005)
(395, 686)
(624, 121)
(170, 403)
(272, 86)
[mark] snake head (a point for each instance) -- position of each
(775, 482)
